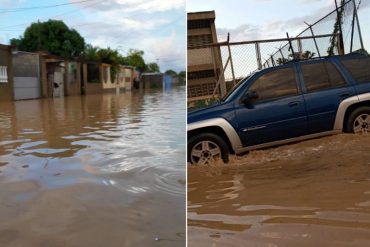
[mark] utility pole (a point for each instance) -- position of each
(339, 20)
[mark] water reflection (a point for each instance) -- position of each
(125, 149)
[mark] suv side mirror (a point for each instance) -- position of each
(249, 97)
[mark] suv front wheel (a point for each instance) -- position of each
(207, 148)
(359, 121)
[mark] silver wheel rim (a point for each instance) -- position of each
(361, 124)
(205, 152)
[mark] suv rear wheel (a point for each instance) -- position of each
(359, 121)
(207, 148)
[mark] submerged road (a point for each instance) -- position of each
(97, 170)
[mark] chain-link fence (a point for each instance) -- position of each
(214, 69)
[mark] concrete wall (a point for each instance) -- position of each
(6, 88)
(72, 78)
(44, 79)
(120, 79)
(91, 87)
(152, 80)
(108, 83)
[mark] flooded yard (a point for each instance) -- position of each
(313, 193)
(97, 170)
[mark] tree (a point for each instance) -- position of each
(300, 55)
(90, 53)
(53, 36)
(338, 22)
(182, 76)
(281, 60)
(107, 55)
(152, 67)
(135, 58)
(171, 73)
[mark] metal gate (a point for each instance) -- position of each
(26, 76)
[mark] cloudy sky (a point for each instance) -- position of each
(263, 19)
(248, 20)
(155, 26)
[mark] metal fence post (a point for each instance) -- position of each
(258, 55)
(221, 80)
(231, 63)
(314, 39)
(300, 49)
(358, 25)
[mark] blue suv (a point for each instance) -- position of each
(288, 103)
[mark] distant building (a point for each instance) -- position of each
(157, 80)
(204, 63)
(6, 73)
(152, 80)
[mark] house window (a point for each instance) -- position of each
(198, 41)
(93, 75)
(197, 24)
(3, 74)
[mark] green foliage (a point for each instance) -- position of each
(171, 73)
(297, 56)
(152, 67)
(135, 58)
(15, 42)
(334, 39)
(103, 55)
(90, 53)
(182, 74)
(107, 55)
(53, 36)
(281, 61)
(113, 72)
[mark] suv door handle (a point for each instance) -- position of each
(293, 104)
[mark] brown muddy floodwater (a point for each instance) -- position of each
(313, 193)
(99, 170)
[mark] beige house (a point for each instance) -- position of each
(109, 84)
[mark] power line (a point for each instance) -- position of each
(3, 11)
(56, 16)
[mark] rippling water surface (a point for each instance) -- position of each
(98, 170)
(313, 193)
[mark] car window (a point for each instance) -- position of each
(359, 69)
(322, 75)
(275, 84)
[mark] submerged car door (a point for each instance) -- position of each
(324, 88)
(278, 112)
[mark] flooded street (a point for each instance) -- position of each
(97, 170)
(313, 193)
